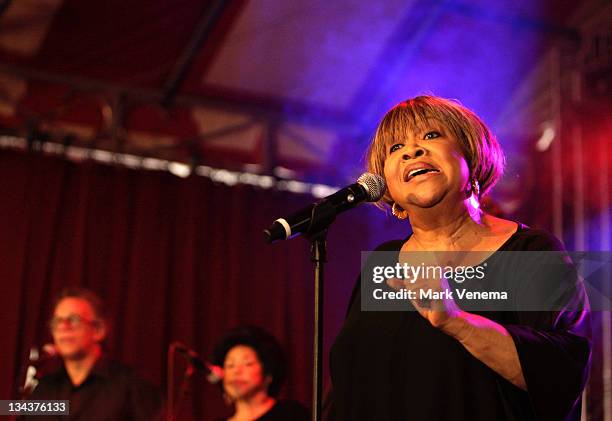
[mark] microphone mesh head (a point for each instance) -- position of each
(374, 184)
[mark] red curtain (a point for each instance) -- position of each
(175, 259)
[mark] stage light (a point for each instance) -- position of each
(321, 190)
(179, 169)
(548, 135)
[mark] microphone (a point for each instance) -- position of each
(47, 351)
(214, 373)
(36, 362)
(368, 188)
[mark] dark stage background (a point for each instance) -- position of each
(175, 259)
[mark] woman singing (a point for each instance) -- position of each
(443, 361)
(254, 370)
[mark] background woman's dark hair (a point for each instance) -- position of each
(267, 348)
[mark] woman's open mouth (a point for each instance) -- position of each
(417, 170)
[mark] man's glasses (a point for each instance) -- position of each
(73, 321)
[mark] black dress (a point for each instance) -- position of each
(390, 366)
(285, 410)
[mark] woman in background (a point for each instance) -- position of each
(254, 370)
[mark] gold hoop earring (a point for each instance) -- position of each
(398, 212)
(475, 188)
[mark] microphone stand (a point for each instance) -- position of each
(323, 214)
(173, 409)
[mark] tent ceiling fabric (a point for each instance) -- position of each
(282, 51)
(267, 83)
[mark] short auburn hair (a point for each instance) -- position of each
(479, 146)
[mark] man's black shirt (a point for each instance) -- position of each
(111, 391)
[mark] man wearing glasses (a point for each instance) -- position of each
(97, 387)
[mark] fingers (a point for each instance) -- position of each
(426, 295)
(418, 293)
(396, 284)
